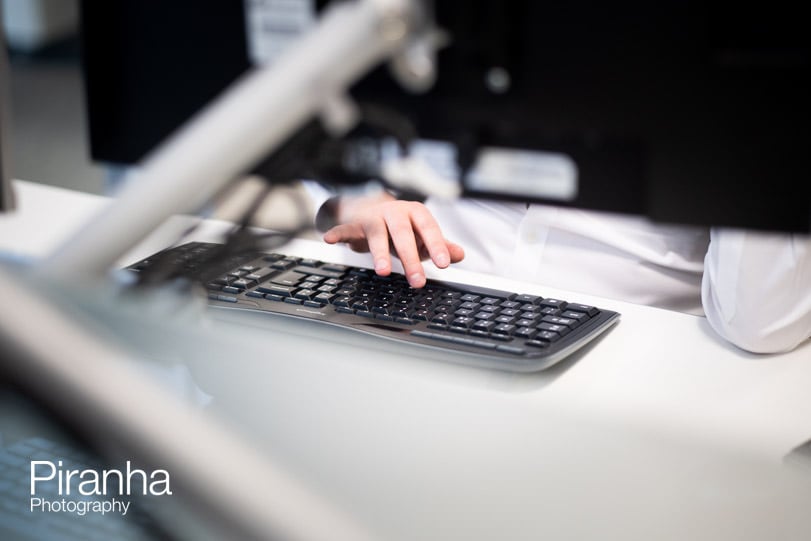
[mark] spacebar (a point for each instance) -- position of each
(476, 290)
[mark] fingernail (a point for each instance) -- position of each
(442, 260)
(380, 265)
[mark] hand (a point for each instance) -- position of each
(368, 222)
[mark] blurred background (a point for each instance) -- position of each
(49, 137)
(49, 142)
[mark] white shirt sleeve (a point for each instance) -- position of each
(756, 289)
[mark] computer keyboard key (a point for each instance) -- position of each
(554, 303)
(504, 328)
(532, 299)
(283, 264)
(304, 294)
(258, 276)
(320, 272)
(289, 278)
(549, 336)
(322, 297)
(525, 332)
(484, 325)
(588, 310)
(537, 343)
(292, 300)
(334, 267)
(579, 316)
(255, 294)
(551, 327)
(438, 326)
(462, 322)
(571, 323)
(232, 289)
(284, 291)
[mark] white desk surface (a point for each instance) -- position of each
(427, 449)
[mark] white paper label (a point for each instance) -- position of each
(524, 173)
(272, 25)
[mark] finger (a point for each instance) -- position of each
(343, 233)
(377, 238)
(426, 227)
(405, 244)
(456, 252)
(359, 246)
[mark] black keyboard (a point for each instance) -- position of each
(482, 326)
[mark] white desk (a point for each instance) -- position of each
(632, 437)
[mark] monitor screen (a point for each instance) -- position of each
(683, 112)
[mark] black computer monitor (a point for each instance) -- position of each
(685, 112)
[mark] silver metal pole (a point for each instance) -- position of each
(251, 119)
